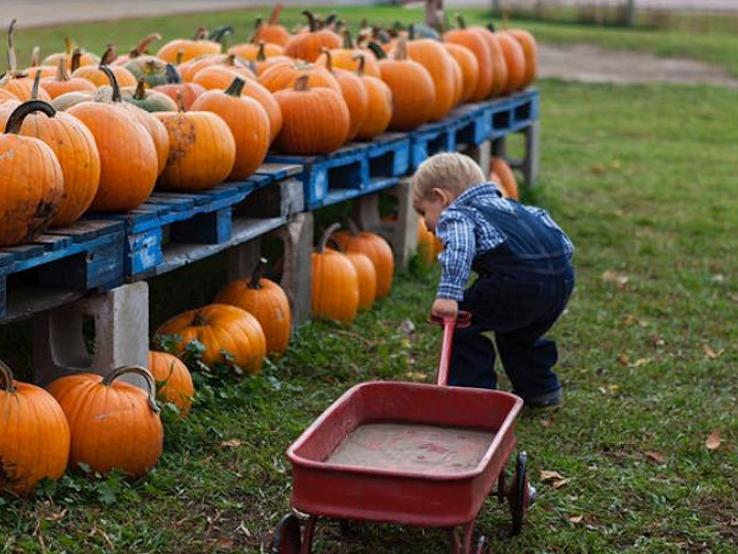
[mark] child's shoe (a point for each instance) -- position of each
(553, 399)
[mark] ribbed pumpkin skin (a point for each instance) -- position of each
(128, 156)
(268, 304)
(202, 150)
(367, 278)
(6, 95)
(188, 70)
(98, 78)
(281, 77)
(189, 92)
(65, 101)
(515, 61)
(308, 46)
(190, 49)
(87, 58)
(262, 66)
(458, 79)
(379, 108)
(173, 380)
(431, 55)
(343, 58)
(112, 427)
(356, 97)
(413, 93)
(469, 68)
(220, 327)
(335, 287)
(156, 130)
(376, 249)
(314, 121)
(21, 88)
(250, 51)
(276, 34)
(213, 76)
(35, 440)
(530, 51)
(153, 100)
(249, 124)
(502, 174)
(55, 87)
(477, 44)
(497, 58)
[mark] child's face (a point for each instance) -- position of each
(431, 208)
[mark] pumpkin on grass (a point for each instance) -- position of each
(503, 176)
(379, 105)
(34, 443)
(376, 248)
(31, 179)
(266, 301)
(220, 328)
(335, 286)
(429, 245)
(114, 425)
(366, 277)
(173, 380)
(308, 46)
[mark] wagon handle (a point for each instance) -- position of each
(462, 319)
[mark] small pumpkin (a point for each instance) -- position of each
(308, 46)
(379, 105)
(354, 94)
(283, 76)
(176, 89)
(348, 57)
(148, 100)
(335, 285)
(187, 49)
(35, 439)
(114, 425)
(373, 246)
(503, 176)
(247, 120)
(36, 67)
(220, 327)
(263, 62)
(272, 31)
(314, 121)
(267, 302)
(63, 83)
(429, 245)
(31, 179)
(173, 381)
(99, 78)
(256, 49)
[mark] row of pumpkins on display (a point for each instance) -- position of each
(93, 133)
(108, 424)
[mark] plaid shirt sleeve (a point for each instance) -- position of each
(456, 232)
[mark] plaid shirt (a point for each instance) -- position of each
(466, 234)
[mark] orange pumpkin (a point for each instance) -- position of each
(252, 51)
(314, 121)
(283, 76)
(6, 95)
(34, 443)
(413, 91)
(247, 120)
(99, 78)
(379, 106)
(497, 57)
(430, 54)
(308, 46)
(176, 89)
(530, 51)
(267, 302)
(173, 381)
(429, 246)
(36, 67)
(515, 61)
(114, 425)
(263, 63)
(128, 154)
(84, 58)
(15, 82)
(335, 286)
(141, 49)
(367, 278)
(502, 175)
(220, 327)
(202, 150)
(376, 248)
(31, 179)
(348, 57)
(474, 40)
(354, 94)
(182, 50)
(469, 68)
(272, 31)
(63, 83)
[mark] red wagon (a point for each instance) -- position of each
(407, 453)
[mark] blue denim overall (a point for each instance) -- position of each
(522, 288)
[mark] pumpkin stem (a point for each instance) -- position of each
(310, 17)
(108, 56)
(491, 27)
(339, 27)
(138, 370)
(258, 273)
(199, 320)
(179, 57)
(261, 53)
(7, 377)
(362, 61)
(113, 81)
(140, 93)
(15, 121)
(276, 12)
(12, 62)
(301, 83)
(220, 34)
(69, 45)
(172, 74)
(364, 23)
(236, 87)
(331, 20)
(256, 36)
(401, 49)
(348, 43)
(328, 58)
(460, 21)
(143, 46)
(61, 72)
(200, 34)
(353, 228)
(34, 88)
(36, 56)
(76, 58)
(326, 236)
(258, 25)
(377, 50)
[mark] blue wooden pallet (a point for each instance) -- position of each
(513, 113)
(432, 138)
(389, 155)
(473, 123)
(85, 256)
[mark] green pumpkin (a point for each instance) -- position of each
(149, 100)
(149, 68)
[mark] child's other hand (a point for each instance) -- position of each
(445, 307)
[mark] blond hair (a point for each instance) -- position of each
(448, 171)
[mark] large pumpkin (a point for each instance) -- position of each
(335, 294)
(99, 78)
(202, 150)
(413, 91)
(314, 121)
(247, 120)
(267, 302)
(173, 380)
(31, 179)
(308, 46)
(376, 248)
(514, 60)
(128, 154)
(379, 105)
(348, 57)
(497, 58)
(76, 151)
(114, 425)
(474, 40)
(220, 328)
(272, 31)
(354, 94)
(430, 54)
(34, 443)
(530, 51)
(186, 49)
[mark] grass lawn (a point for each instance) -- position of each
(643, 178)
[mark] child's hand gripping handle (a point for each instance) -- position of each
(462, 319)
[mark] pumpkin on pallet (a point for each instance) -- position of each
(148, 100)
(469, 67)
(284, 76)
(85, 58)
(173, 381)
(113, 424)
(530, 52)
(348, 57)
(176, 89)
(354, 93)
(99, 78)
(141, 49)
(497, 58)
(476, 43)
(220, 328)
(212, 75)
(272, 31)
(266, 301)
(248, 122)
(35, 439)
(376, 249)
(503, 176)
(335, 284)
(514, 60)
(307, 46)
(186, 49)
(15, 82)
(379, 105)
(63, 83)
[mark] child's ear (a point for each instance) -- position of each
(442, 196)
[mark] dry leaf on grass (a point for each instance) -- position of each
(549, 476)
(618, 278)
(546, 422)
(416, 375)
(407, 327)
(710, 353)
(713, 440)
(576, 519)
(560, 483)
(233, 443)
(640, 361)
(656, 457)
(624, 360)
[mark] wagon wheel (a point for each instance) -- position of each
(287, 536)
(521, 494)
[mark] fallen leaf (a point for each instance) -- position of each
(718, 278)
(616, 164)
(550, 476)
(598, 169)
(546, 423)
(233, 443)
(733, 297)
(619, 279)
(613, 388)
(415, 376)
(630, 319)
(225, 544)
(640, 362)
(710, 353)
(624, 360)
(407, 327)
(56, 516)
(713, 440)
(576, 519)
(654, 456)
(560, 483)
(656, 340)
